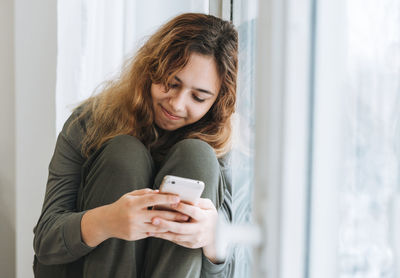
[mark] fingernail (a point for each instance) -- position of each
(156, 221)
(183, 218)
(150, 234)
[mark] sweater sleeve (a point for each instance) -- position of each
(57, 235)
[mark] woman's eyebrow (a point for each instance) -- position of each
(197, 89)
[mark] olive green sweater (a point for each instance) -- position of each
(57, 235)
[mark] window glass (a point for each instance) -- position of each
(355, 189)
(244, 13)
(371, 160)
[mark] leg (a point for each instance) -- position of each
(190, 158)
(121, 165)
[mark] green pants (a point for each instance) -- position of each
(123, 164)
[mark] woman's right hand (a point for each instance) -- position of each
(128, 218)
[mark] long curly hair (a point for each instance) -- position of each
(124, 105)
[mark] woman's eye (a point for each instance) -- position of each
(196, 98)
(173, 86)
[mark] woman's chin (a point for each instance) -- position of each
(166, 126)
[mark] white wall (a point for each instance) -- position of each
(7, 145)
(35, 76)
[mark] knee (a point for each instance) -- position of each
(121, 165)
(196, 151)
(194, 158)
(193, 148)
(125, 153)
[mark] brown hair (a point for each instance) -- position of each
(124, 105)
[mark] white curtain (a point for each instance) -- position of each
(95, 36)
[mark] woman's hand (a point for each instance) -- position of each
(198, 232)
(128, 218)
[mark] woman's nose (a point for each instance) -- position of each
(177, 101)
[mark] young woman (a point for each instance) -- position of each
(167, 114)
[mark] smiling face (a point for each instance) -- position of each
(193, 90)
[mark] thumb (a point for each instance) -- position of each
(205, 203)
(141, 192)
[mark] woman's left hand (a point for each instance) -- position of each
(198, 232)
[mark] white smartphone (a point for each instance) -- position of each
(188, 190)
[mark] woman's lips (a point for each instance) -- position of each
(169, 115)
